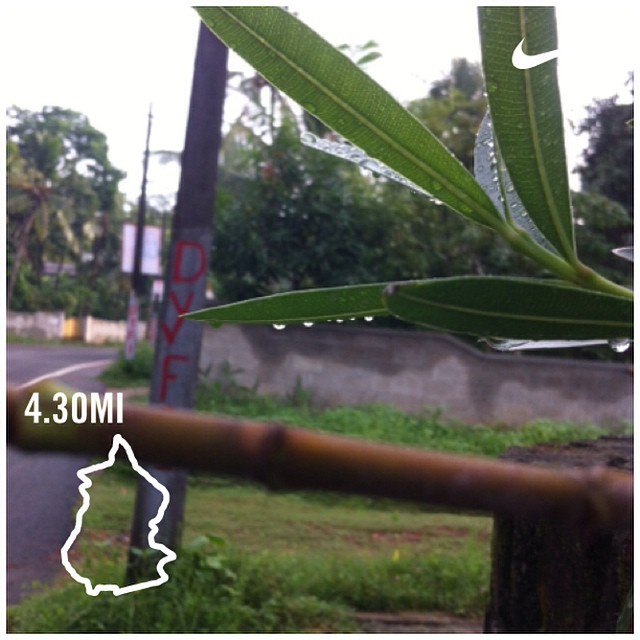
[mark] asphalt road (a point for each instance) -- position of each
(42, 489)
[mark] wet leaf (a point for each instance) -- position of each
(336, 91)
(493, 176)
(296, 307)
(527, 116)
(515, 308)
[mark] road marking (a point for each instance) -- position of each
(521, 60)
(169, 555)
(63, 372)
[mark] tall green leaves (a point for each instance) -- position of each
(527, 118)
(512, 308)
(335, 90)
(496, 307)
(524, 197)
(296, 307)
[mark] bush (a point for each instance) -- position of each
(135, 372)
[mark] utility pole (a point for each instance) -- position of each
(137, 279)
(178, 343)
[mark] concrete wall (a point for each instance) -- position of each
(347, 365)
(98, 331)
(50, 325)
(47, 325)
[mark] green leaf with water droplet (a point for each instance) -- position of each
(296, 307)
(527, 116)
(512, 308)
(492, 175)
(303, 65)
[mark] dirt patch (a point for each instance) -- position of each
(407, 537)
(410, 622)
(611, 451)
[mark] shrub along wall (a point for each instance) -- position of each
(415, 370)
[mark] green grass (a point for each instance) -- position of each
(130, 373)
(383, 423)
(292, 562)
(288, 564)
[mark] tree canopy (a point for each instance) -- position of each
(63, 204)
(608, 160)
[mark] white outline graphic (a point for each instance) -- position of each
(522, 60)
(170, 556)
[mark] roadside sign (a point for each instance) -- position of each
(150, 264)
(132, 327)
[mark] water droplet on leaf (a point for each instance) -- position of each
(279, 327)
(624, 252)
(308, 138)
(346, 151)
(619, 346)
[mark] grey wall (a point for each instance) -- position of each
(39, 324)
(350, 365)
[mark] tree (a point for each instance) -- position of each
(454, 109)
(67, 150)
(601, 226)
(27, 209)
(61, 186)
(608, 160)
(288, 216)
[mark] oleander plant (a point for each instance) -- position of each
(520, 188)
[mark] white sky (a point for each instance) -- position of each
(110, 60)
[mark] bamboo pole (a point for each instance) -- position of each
(293, 458)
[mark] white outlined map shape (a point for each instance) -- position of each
(170, 556)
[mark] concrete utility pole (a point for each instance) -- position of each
(178, 342)
(137, 279)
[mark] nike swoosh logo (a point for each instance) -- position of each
(520, 60)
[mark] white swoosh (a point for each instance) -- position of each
(520, 60)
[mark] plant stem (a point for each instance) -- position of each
(577, 273)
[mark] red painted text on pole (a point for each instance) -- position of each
(187, 275)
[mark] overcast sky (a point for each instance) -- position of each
(110, 60)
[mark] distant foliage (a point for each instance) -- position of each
(608, 160)
(64, 212)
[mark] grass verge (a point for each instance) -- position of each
(289, 564)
